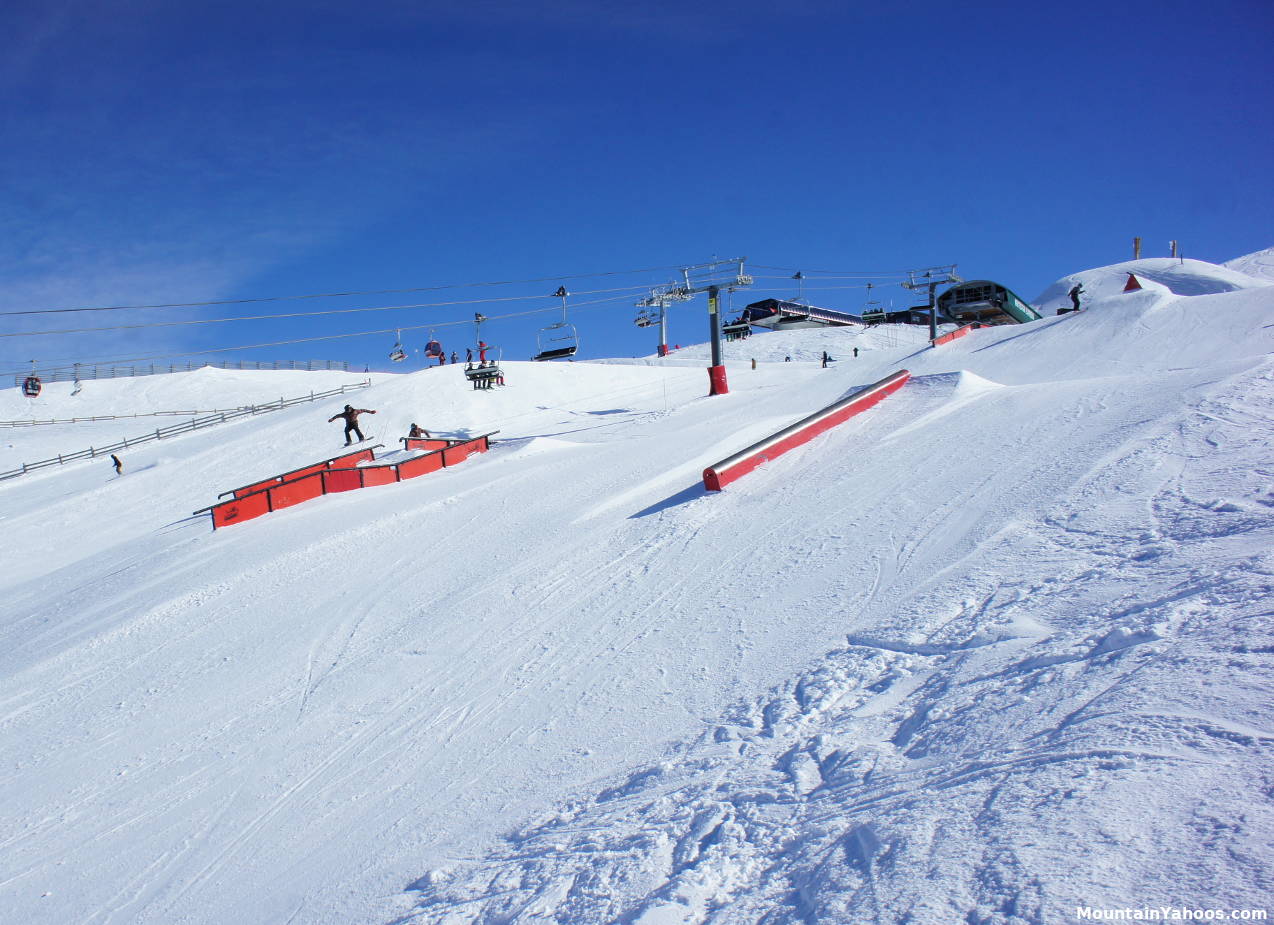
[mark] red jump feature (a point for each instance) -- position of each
(803, 431)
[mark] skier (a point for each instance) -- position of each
(825, 359)
(468, 355)
(855, 353)
(119, 466)
(350, 414)
(1074, 294)
(482, 351)
(454, 357)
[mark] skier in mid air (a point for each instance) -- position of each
(350, 414)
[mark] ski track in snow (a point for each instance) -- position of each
(994, 650)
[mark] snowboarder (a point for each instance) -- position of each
(119, 466)
(826, 358)
(350, 414)
(417, 432)
(1074, 294)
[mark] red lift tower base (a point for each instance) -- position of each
(717, 384)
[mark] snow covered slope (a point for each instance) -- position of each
(994, 650)
(1162, 274)
(1259, 265)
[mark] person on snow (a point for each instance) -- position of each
(350, 414)
(855, 353)
(825, 359)
(1074, 294)
(119, 466)
(417, 432)
(454, 357)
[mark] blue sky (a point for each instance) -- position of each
(188, 152)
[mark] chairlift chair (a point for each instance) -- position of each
(487, 373)
(398, 354)
(559, 340)
(31, 386)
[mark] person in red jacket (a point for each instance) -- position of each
(350, 414)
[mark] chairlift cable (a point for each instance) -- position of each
(67, 364)
(334, 311)
(334, 295)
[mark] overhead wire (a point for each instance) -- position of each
(334, 295)
(305, 340)
(334, 311)
(856, 274)
(823, 274)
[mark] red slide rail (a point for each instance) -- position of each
(340, 473)
(741, 463)
(345, 459)
(956, 334)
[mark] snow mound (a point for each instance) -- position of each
(1258, 266)
(1161, 274)
(970, 384)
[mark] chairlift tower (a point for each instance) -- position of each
(705, 277)
(931, 278)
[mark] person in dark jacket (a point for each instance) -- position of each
(1074, 294)
(350, 414)
(417, 432)
(119, 466)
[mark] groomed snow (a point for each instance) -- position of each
(993, 651)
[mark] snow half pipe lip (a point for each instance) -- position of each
(741, 463)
